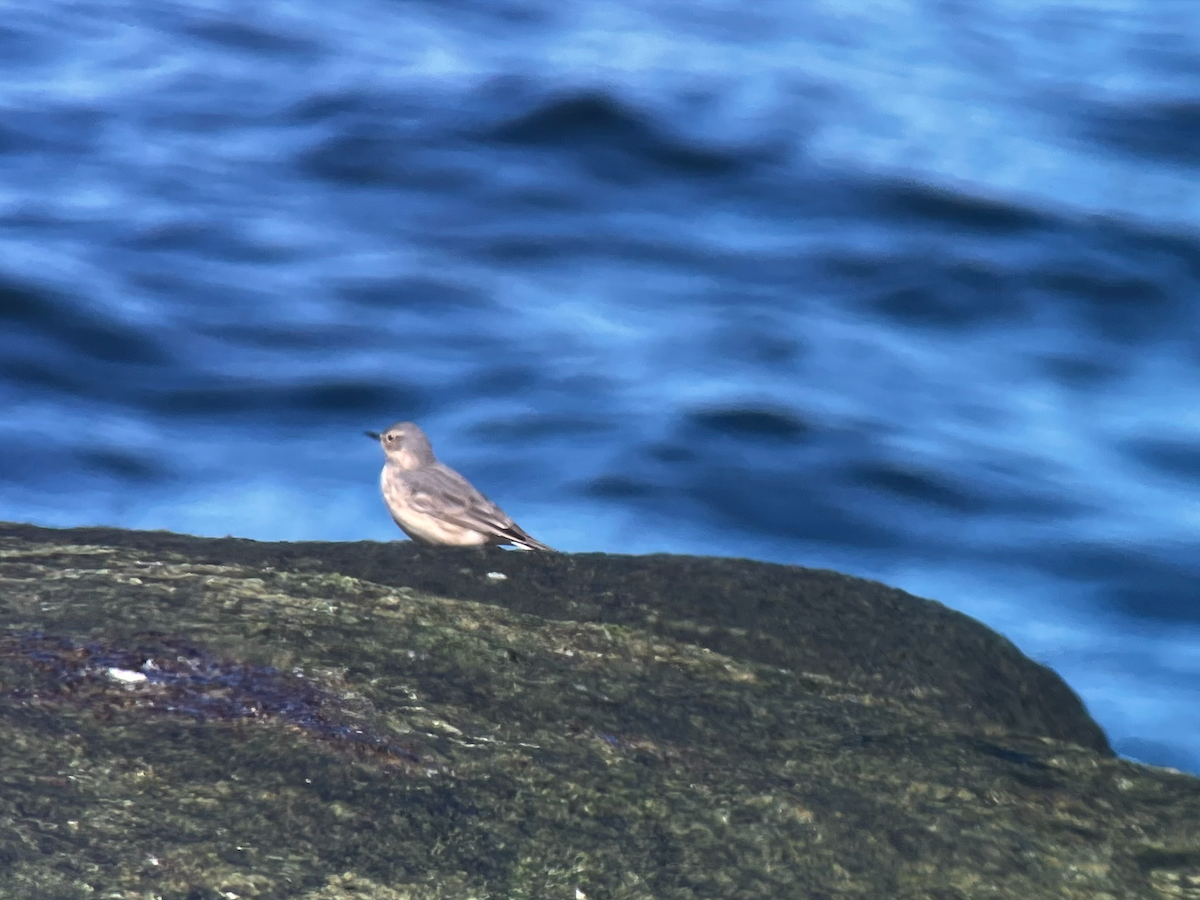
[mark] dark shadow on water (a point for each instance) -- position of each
(1166, 456)
(1131, 581)
(614, 142)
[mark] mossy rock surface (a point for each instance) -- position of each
(191, 718)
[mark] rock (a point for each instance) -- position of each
(190, 718)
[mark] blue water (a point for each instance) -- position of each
(911, 290)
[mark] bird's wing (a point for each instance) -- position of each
(439, 491)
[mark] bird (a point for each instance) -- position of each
(432, 503)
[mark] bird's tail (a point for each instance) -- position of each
(528, 543)
(518, 538)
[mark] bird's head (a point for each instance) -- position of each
(405, 445)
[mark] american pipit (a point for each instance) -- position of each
(432, 503)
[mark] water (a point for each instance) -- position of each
(907, 290)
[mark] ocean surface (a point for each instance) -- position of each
(906, 289)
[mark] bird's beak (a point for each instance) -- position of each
(373, 435)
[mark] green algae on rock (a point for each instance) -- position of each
(189, 718)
